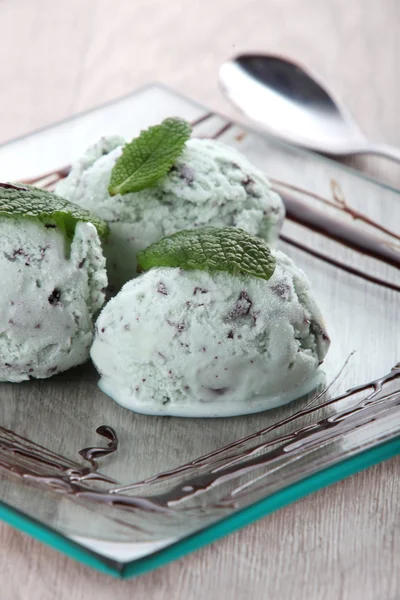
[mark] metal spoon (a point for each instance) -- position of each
(283, 97)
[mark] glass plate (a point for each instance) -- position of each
(283, 454)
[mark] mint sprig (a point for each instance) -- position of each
(211, 249)
(26, 201)
(147, 158)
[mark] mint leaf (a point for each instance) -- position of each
(211, 249)
(149, 157)
(29, 202)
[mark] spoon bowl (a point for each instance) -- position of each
(288, 100)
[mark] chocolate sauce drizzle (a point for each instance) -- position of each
(222, 130)
(339, 202)
(93, 453)
(340, 265)
(338, 230)
(32, 461)
(29, 461)
(49, 180)
(11, 186)
(299, 212)
(293, 445)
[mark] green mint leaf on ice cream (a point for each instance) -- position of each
(211, 249)
(25, 201)
(149, 157)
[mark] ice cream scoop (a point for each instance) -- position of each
(209, 184)
(205, 344)
(52, 284)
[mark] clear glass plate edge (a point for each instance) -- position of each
(243, 517)
(222, 528)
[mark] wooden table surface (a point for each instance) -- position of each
(59, 58)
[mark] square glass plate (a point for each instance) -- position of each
(284, 454)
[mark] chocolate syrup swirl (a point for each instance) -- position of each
(338, 230)
(49, 179)
(201, 119)
(222, 130)
(295, 444)
(29, 461)
(11, 186)
(93, 453)
(340, 265)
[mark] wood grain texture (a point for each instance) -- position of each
(342, 542)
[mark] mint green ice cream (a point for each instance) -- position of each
(210, 184)
(201, 344)
(51, 289)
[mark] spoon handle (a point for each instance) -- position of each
(383, 150)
